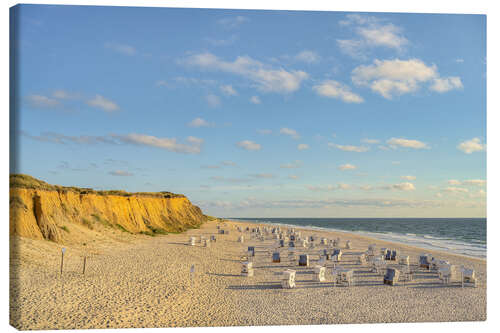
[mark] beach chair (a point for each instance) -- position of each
(311, 239)
(288, 279)
(424, 262)
(450, 273)
(387, 254)
(221, 231)
(322, 260)
(371, 250)
(206, 243)
(468, 276)
(291, 255)
(276, 257)
(291, 244)
(281, 243)
(336, 255)
(335, 243)
(247, 269)
(393, 255)
(319, 273)
(213, 239)
(343, 276)
(326, 254)
(275, 236)
(362, 259)
(304, 260)
(304, 243)
(324, 241)
(391, 276)
(378, 266)
(251, 251)
(241, 239)
(404, 260)
(192, 241)
(348, 245)
(292, 238)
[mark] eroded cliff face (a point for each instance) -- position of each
(44, 214)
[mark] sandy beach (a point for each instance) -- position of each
(142, 281)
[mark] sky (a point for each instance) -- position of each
(258, 113)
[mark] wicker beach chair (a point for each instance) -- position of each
(247, 269)
(304, 260)
(387, 254)
(424, 261)
(391, 276)
(192, 241)
(276, 257)
(288, 279)
(319, 273)
(468, 276)
(241, 239)
(362, 259)
(251, 251)
(394, 255)
(348, 245)
(336, 255)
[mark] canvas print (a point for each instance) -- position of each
(180, 167)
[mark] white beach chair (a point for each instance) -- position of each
(288, 279)
(348, 245)
(247, 269)
(322, 260)
(468, 276)
(449, 273)
(319, 273)
(404, 260)
(324, 241)
(362, 259)
(241, 239)
(206, 243)
(379, 266)
(304, 243)
(192, 241)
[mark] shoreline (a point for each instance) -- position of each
(363, 234)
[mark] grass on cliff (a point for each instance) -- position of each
(29, 182)
(102, 220)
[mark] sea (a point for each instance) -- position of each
(464, 236)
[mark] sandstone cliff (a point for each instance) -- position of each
(42, 211)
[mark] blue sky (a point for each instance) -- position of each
(259, 113)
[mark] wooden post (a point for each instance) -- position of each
(84, 262)
(62, 258)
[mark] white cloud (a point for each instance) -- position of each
(307, 57)
(293, 177)
(371, 32)
(248, 145)
(263, 175)
(222, 42)
(400, 142)
(475, 182)
(121, 48)
(193, 145)
(454, 182)
(321, 188)
(403, 187)
(103, 103)
(408, 177)
(266, 79)
(357, 149)
(62, 94)
(446, 84)
(397, 77)
(385, 35)
(264, 131)
(370, 141)
(366, 187)
(255, 100)
(228, 90)
(292, 165)
(40, 101)
(459, 60)
(334, 89)
(471, 146)
(199, 122)
(229, 163)
(232, 22)
(121, 173)
(456, 190)
(291, 132)
(342, 186)
(347, 166)
(302, 146)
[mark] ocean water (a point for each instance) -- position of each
(465, 236)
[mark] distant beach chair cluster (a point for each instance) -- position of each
(297, 252)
